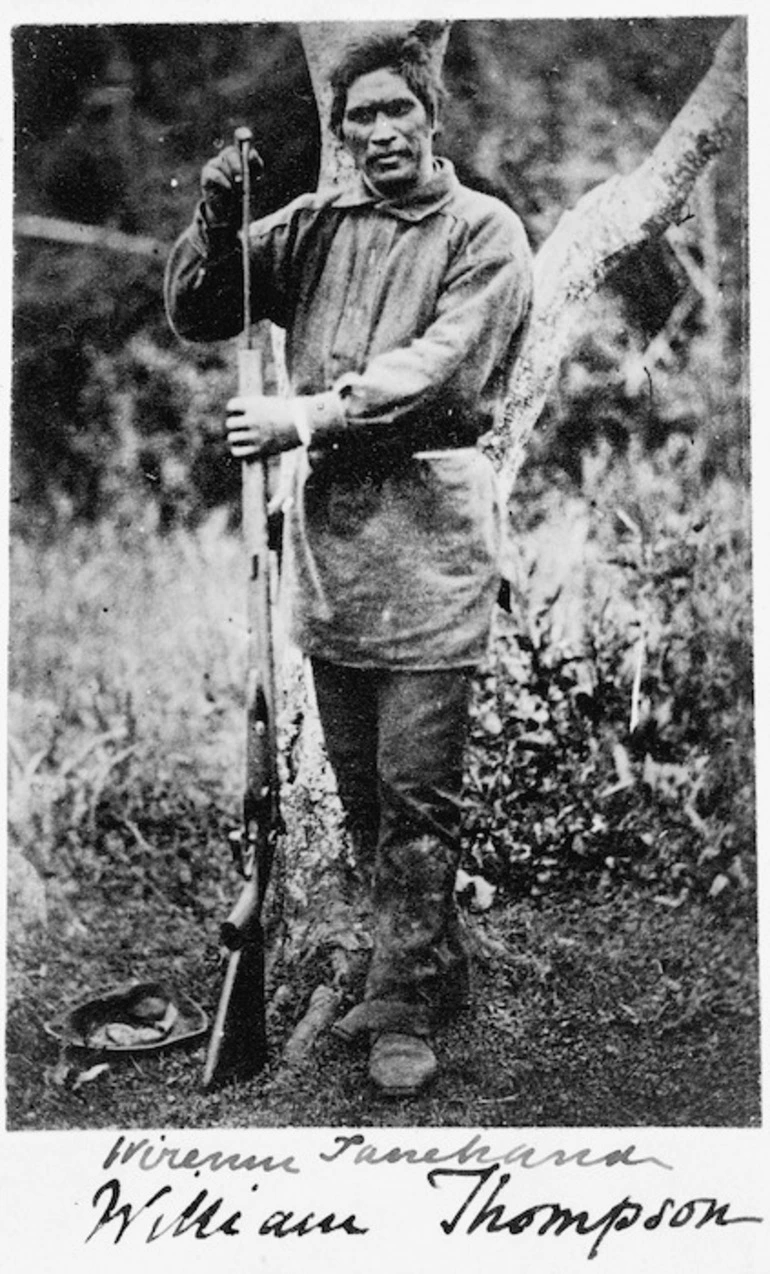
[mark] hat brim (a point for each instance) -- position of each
(85, 1026)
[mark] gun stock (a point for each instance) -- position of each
(238, 1042)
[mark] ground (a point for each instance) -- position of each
(597, 1012)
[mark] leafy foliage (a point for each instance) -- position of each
(546, 109)
(623, 751)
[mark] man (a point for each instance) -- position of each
(404, 299)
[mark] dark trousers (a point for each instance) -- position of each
(396, 743)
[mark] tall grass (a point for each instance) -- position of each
(123, 631)
(613, 721)
(126, 660)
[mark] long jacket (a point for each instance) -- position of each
(394, 532)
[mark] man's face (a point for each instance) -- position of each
(388, 132)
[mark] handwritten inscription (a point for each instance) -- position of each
(487, 1212)
(474, 1150)
(203, 1218)
(476, 1193)
(148, 1155)
(197, 1217)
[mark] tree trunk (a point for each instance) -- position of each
(326, 918)
(588, 242)
(324, 44)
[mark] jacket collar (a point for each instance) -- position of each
(414, 206)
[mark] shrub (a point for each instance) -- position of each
(624, 749)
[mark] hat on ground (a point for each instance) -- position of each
(137, 1018)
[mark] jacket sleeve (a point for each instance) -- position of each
(204, 276)
(203, 288)
(438, 389)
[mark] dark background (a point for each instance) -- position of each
(112, 125)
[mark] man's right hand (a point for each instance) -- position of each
(222, 183)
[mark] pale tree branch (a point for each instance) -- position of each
(603, 228)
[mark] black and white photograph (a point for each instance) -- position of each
(383, 722)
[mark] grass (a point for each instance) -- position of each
(607, 1013)
(602, 997)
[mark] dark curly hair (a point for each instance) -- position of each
(406, 55)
